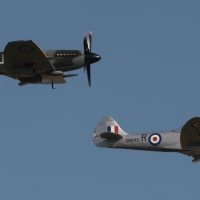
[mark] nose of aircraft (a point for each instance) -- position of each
(92, 57)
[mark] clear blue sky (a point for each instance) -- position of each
(148, 78)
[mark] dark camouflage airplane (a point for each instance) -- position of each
(185, 140)
(25, 61)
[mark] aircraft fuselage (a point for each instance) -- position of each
(62, 60)
(163, 141)
(108, 134)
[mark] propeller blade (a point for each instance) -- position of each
(84, 68)
(85, 44)
(90, 41)
(88, 74)
(89, 56)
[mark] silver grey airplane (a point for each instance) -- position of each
(186, 140)
(25, 61)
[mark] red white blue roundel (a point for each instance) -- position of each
(25, 48)
(155, 139)
(196, 125)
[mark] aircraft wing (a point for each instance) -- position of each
(22, 54)
(190, 134)
(190, 138)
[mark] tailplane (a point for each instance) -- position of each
(107, 132)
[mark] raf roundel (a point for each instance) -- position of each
(196, 125)
(155, 139)
(26, 48)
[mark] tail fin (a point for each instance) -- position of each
(107, 132)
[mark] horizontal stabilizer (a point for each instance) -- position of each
(110, 135)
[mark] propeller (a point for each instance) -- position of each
(89, 56)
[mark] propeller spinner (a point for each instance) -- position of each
(89, 56)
